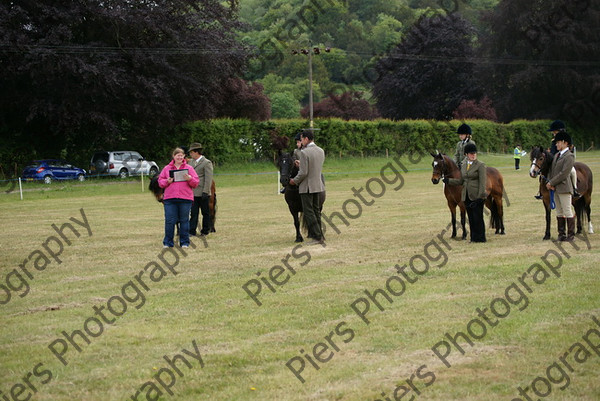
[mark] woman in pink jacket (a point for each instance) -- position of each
(178, 197)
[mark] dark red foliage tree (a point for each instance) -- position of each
(471, 109)
(245, 101)
(347, 106)
(429, 72)
(547, 56)
(84, 74)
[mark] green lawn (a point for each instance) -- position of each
(526, 305)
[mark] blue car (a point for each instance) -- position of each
(52, 169)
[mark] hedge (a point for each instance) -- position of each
(235, 141)
(229, 141)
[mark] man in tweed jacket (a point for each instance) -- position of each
(204, 169)
(310, 184)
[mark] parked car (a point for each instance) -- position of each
(122, 163)
(49, 170)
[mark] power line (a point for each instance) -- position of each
(168, 51)
(62, 49)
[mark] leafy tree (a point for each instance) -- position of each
(74, 73)
(299, 88)
(386, 33)
(347, 106)
(284, 105)
(547, 53)
(429, 73)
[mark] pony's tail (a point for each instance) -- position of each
(303, 225)
(580, 211)
(156, 190)
(495, 215)
(213, 213)
(213, 207)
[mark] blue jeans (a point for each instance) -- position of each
(177, 211)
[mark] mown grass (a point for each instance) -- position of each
(245, 347)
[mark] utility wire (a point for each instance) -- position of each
(168, 51)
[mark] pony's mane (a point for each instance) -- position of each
(444, 156)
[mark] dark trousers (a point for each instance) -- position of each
(476, 223)
(312, 214)
(200, 205)
(517, 162)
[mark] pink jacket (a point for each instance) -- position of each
(182, 189)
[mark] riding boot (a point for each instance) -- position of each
(570, 228)
(561, 223)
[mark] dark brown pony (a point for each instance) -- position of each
(287, 170)
(444, 166)
(541, 160)
(158, 192)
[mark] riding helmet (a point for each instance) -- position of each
(563, 136)
(299, 136)
(557, 125)
(470, 148)
(464, 129)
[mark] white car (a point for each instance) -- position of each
(121, 163)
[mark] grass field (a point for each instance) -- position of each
(525, 304)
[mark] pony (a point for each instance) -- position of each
(444, 166)
(541, 160)
(288, 170)
(159, 192)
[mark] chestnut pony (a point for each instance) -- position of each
(541, 160)
(444, 166)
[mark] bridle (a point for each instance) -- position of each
(285, 167)
(442, 165)
(538, 172)
(537, 166)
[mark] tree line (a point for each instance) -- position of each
(81, 76)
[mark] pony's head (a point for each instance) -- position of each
(285, 163)
(539, 159)
(439, 167)
(156, 190)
